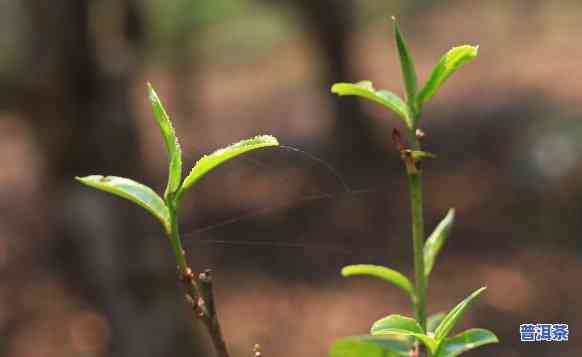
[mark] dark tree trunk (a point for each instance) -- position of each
(85, 126)
(331, 23)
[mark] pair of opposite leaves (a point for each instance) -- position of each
(144, 196)
(409, 110)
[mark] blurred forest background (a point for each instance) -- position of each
(86, 274)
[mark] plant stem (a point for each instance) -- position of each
(415, 187)
(177, 243)
(185, 273)
(414, 175)
(199, 292)
(211, 321)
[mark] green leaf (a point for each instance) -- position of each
(466, 341)
(433, 321)
(372, 346)
(397, 322)
(406, 65)
(402, 325)
(449, 63)
(171, 141)
(209, 162)
(435, 242)
(454, 315)
(387, 274)
(132, 191)
(366, 90)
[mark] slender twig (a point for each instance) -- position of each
(185, 274)
(199, 292)
(210, 317)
